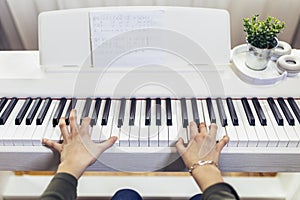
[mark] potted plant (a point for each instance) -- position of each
(261, 38)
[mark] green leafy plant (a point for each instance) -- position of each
(262, 33)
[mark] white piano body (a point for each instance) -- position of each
(196, 63)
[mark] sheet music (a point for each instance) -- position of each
(122, 38)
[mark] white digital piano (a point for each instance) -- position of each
(142, 74)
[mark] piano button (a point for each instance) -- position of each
(231, 131)
(289, 130)
(40, 131)
(211, 111)
(96, 128)
(59, 111)
(172, 129)
(125, 130)
(96, 110)
(200, 110)
(153, 128)
(70, 107)
(222, 115)
(106, 128)
(49, 129)
(132, 111)
(182, 132)
(250, 131)
(2, 103)
(283, 139)
(294, 107)
(143, 127)
(23, 111)
(106, 112)
(248, 111)
(275, 111)
(135, 128)
(190, 116)
(158, 111)
(86, 109)
(184, 115)
(221, 130)
(42, 114)
(261, 133)
(232, 112)
(271, 131)
(163, 128)
(259, 111)
(121, 112)
(115, 130)
(195, 111)
(205, 112)
(4, 116)
(168, 112)
(148, 112)
(79, 108)
(288, 115)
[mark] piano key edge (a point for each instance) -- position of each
(233, 159)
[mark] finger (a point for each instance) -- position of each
(73, 122)
(193, 129)
(180, 146)
(63, 128)
(222, 143)
(108, 143)
(85, 124)
(52, 144)
(213, 129)
(202, 127)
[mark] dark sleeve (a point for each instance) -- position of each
(220, 191)
(63, 186)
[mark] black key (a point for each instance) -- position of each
(294, 107)
(33, 111)
(232, 112)
(106, 112)
(86, 109)
(248, 111)
(184, 115)
(169, 111)
(221, 110)
(211, 111)
(148, 112)
(96, 111)
(195, 111)
(288, 115)
(121, 113)
(275, 111)
(2, 103)
(59, 111)
(71, 107)
(40, 118)
(8, 110)
(158, 111)
(259, 111)
(132, 111)
(23, 111)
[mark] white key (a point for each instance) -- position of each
(115, 131)
(182, 132)
(96, 129)
(173, 132)
(50, 129)
(134, 130)
(143, 129)
(221, 130)
(7, 135)
(205, 113)
(190, 116)
(153, 129)
(163, 129)
(200, 110)
(289, 130)
(297, 125)
(252, 137)
(79, 108)
(106, 129)
(283, 140)
(124, 133)
(5, 126)
(240, 129)
(261, 133)
(40, 130)
(230, 129)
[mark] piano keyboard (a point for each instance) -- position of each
(153, 122)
